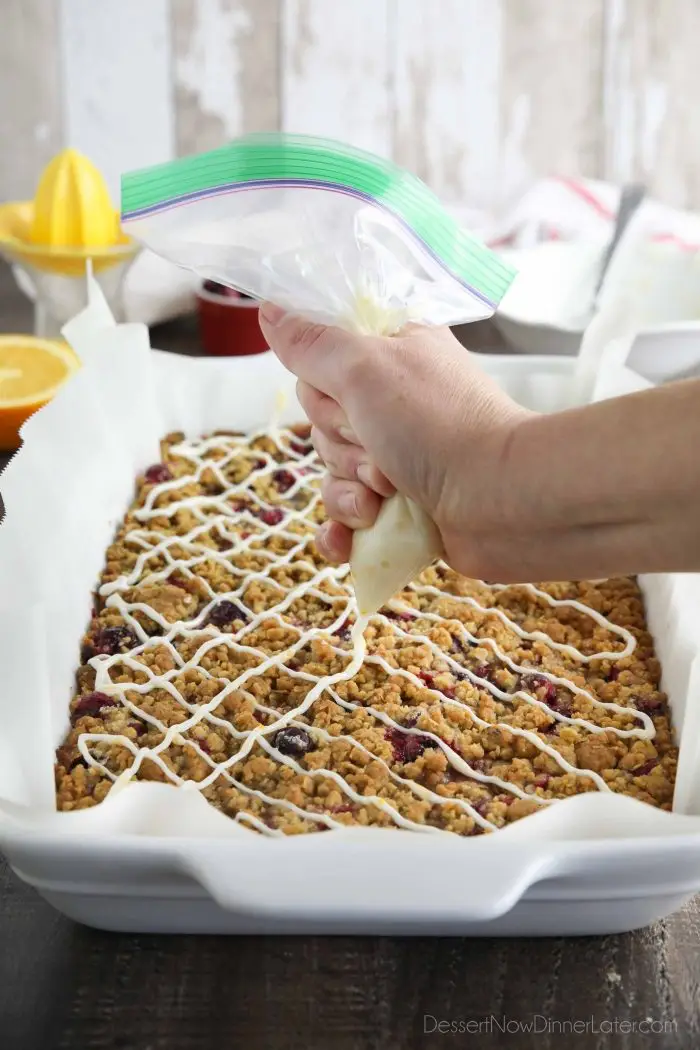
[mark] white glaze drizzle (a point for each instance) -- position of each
(646, 733)
(307, 471)
(540, 636)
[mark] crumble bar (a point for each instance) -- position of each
(476, 705)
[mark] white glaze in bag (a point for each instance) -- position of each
(385, 558)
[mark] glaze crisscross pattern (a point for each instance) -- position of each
(225, 656)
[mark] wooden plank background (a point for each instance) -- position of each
(31, 123)
(479, 97)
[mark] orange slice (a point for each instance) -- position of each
(31, 371)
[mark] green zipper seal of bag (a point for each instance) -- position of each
(269, 160)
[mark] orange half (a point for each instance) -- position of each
(31, 371)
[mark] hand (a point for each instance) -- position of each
(412, 413)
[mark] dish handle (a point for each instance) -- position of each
(318, 876)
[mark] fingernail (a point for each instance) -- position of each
(364, 474)
(373, 478)
(322, 541)
(347, 502)
(272, 315)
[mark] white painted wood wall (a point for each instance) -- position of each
(477, 96)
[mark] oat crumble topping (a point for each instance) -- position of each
(475, 705)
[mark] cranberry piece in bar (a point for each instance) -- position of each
(92, 704)
(225, 612)
(644, 770)
(112, 640)
(301, 448)
(293, 741)
(407, 746)
(538, 681)
(650, 705)
(272, 517)
(283, 479)
(157, 474)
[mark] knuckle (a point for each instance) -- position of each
(332, 417)
(303, 335)
(293, 340)
(330, 493)
(347, 457)
(340, 459)
(325, 410)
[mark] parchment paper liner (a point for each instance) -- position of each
(65, 492)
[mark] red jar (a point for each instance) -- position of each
(228, 322)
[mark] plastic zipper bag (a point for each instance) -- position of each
(340, 237)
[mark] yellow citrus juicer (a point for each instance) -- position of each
(50, 241)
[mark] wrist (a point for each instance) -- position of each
(480, 504)
(514, 471)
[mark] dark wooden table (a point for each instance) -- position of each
(64, 987)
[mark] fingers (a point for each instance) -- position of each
(334, 542)
(351, 506)
(350, 502)
(325, 413)
(350, 462)
(341, 458)
(329, 363)
(324, 357)
(337, 444)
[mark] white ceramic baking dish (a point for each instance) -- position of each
(155, 859)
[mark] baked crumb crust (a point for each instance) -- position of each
(453, 722)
